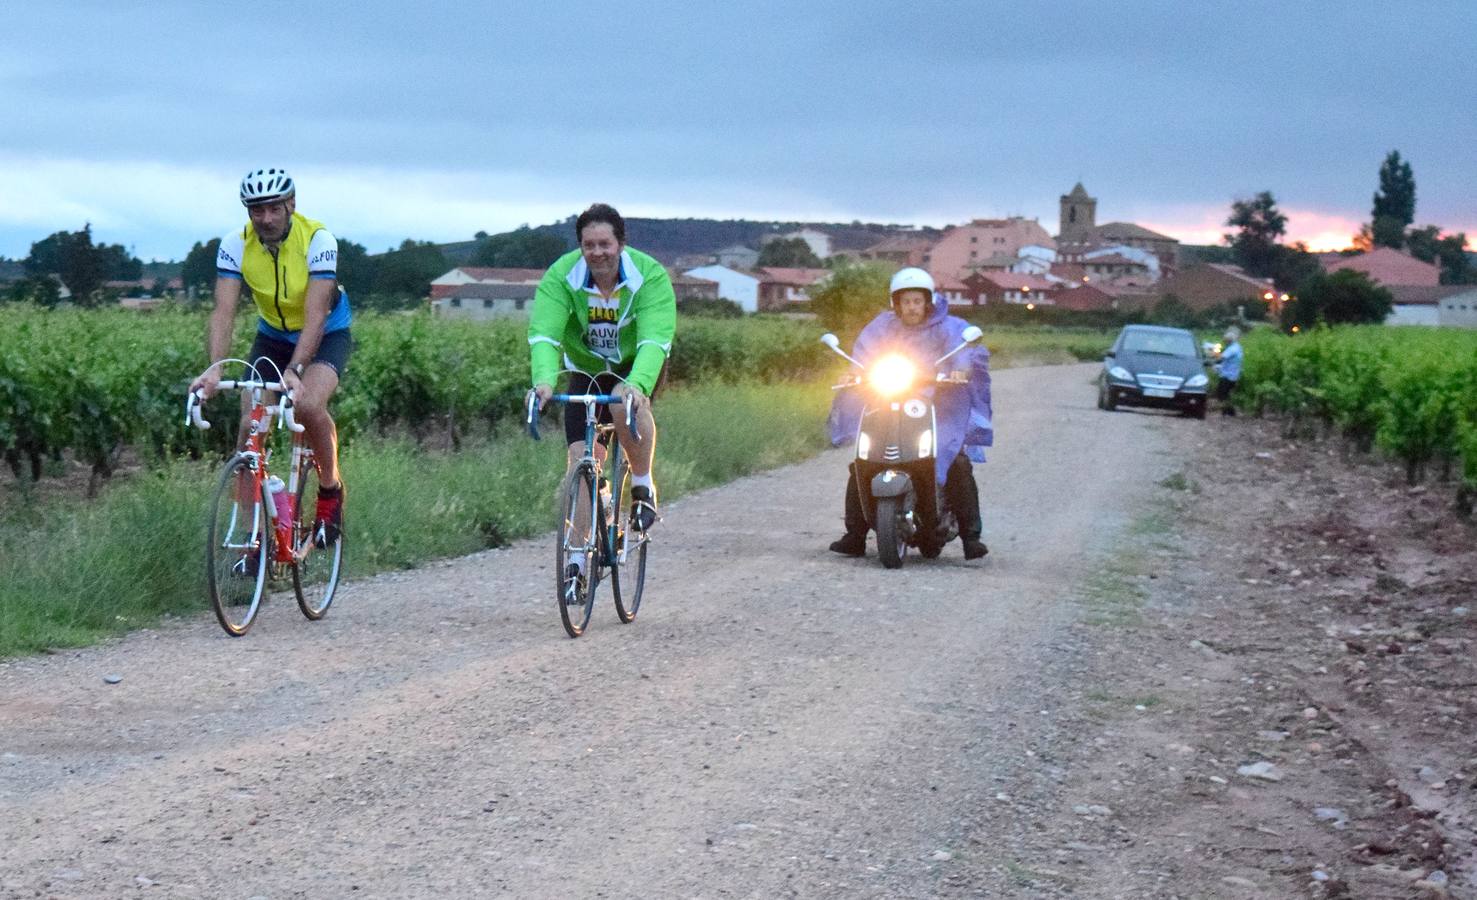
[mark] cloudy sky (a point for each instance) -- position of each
(437, 120)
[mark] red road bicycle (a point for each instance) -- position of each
(258, 527)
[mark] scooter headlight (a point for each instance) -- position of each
(891, 375)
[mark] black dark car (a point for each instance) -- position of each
(1154, 366)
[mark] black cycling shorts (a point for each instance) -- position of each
(605, 382)
(333, 351)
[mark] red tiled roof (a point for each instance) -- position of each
(945, 283)
(1425, 294)
(1387, 266)
(507, 276)
(1238, 272)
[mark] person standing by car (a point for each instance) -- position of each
(1229, 370)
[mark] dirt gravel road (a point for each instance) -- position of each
(779, 721)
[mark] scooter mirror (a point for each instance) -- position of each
(972, 334)
(830, 340)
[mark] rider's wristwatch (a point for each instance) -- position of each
(298, 368)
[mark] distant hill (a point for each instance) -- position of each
(667, 239)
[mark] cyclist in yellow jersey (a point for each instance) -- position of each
(289, 263)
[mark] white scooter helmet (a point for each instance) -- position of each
(910, 279)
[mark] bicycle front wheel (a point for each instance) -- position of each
(577, 541)
(238, 547)
(315, 571)
(628, 562)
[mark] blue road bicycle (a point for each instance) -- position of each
(607, 541)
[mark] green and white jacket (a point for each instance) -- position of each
(646, 320)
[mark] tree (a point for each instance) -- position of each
(1450, 251)
(1421, 242)
(1394, 202)
(406, 272)
(1456, 265)
(1344, 297)
(355, 270)
(198, 270)
(82, 265)
(41, 290)
(522, 248)
(789, 253)
(1291, 266)
(1261, 225)
(851, 297)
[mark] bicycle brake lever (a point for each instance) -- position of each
(288, 418)
(193, 402)
(530, 404)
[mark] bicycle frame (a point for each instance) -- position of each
(257, 455)
(615, 548)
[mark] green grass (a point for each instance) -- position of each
(75, 571)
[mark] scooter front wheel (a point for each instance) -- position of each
(892, 544)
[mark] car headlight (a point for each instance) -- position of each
(1195, 381)
(1120, 373)
(891, 375)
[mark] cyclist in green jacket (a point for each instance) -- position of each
(606, 311)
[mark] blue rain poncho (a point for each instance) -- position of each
(963, 413)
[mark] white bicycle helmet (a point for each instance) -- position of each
(266, 186)
(911, 278)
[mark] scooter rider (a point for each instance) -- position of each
(919, 326)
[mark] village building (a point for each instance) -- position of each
(786, 289)
(963, 248)
(1212, 284)
(1079, 234)
(444, 285)
(740, 287)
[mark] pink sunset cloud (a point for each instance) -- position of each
(1320, 230)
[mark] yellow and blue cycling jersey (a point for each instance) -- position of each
(279, 281)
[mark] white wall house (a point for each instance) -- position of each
(1413, 314)
(1459, 310)
(732, 285)
(485, 301)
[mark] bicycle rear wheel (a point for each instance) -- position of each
(238, 548)
(315, 572)
(576, 595)
(628, 563)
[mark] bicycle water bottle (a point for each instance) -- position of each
(282, 505)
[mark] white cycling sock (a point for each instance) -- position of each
(643, 481)
(579, 563)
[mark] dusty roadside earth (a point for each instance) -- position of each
(1272, 692)
(781, 722)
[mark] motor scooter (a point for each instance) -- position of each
(896, 445)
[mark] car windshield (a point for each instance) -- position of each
(1164, 343)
